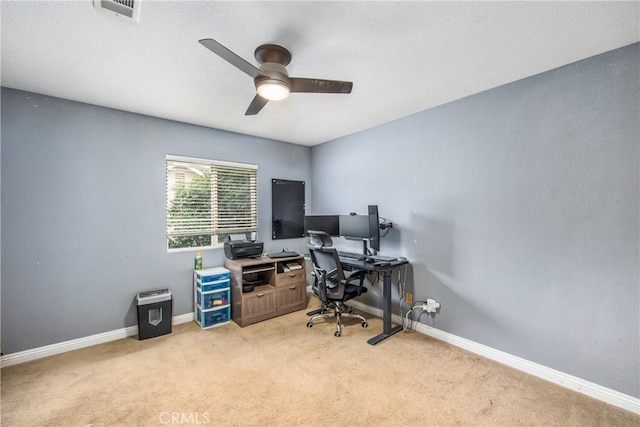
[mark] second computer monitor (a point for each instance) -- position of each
(330, 224)
(354, 226)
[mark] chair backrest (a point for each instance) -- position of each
(328, 271)
(319, 238)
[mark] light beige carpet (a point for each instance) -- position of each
(280, 373)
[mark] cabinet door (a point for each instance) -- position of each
(258, 305)
(292, 297)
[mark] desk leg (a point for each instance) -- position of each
(388, 329)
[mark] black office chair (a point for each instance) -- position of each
(331, 285)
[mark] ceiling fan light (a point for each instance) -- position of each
(273, 91)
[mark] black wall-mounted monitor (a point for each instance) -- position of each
(330, 224)
(374, 228)
(287, 209)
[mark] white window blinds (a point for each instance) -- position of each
(209, 200)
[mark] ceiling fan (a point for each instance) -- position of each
(272, 80)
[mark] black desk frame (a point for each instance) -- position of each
(386, 270)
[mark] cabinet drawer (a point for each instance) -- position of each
(215, 317)
(258, 305)
(292, 297)
(291, 277)
(213, 274)
(214, 299)
(212, 286)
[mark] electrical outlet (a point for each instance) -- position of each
(431, 306)
(408, 297)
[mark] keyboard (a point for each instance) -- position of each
(282, 254)
(351, 255)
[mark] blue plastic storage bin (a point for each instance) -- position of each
(213, 317)
(213, 274)
(214, 299)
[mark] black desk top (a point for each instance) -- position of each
(372, 266)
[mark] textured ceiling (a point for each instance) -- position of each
(403, 57)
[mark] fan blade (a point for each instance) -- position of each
(320, 86)
(231, 57)
(256, 105)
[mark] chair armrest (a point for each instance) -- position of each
(358, 276)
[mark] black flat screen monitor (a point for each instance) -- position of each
(374, 228)
(330, 224)
(354, 227)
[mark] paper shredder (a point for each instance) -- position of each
(154, 313)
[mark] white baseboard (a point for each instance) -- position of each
(62, 347)
(571, 382)
(588, 388)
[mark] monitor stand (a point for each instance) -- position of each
(365, 248)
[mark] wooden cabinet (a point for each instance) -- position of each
(271, 287)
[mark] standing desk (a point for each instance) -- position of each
(386, 270)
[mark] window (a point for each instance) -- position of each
(208, 201)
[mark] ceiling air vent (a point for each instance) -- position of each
(126, 8)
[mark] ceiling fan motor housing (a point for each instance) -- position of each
(273, 73)
(272, 53)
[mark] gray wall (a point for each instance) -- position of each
(518, 209)
(84, 208)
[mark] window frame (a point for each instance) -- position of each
(211, 163)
